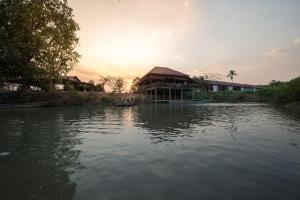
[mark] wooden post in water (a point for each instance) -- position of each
(181, 94)
(170, 94)
(193, 94)
(155, 95)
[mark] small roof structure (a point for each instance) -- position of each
(72, 79)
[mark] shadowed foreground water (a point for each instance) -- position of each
(212, 151)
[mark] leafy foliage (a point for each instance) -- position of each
(231, 74)
(37, 40)
(281, 92)
(234, 96)
(134, 85)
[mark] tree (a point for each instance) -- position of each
(119, 85)
(231, 74)
(38, 40)
(102, 82)
(115, 84)
(199, 79)
(134, 84)
(275, 83)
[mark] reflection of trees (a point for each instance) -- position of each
(43, 150)
(165, 122)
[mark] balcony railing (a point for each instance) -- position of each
(172, 85)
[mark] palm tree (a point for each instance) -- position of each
(231, 74)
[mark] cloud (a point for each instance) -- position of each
(271, 52)
(280, 51)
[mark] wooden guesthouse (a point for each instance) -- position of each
(162, 84)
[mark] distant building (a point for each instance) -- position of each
(162, 84)
(218, 86)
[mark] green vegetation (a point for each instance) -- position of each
(231, 74)
(37, 41)
(281, 92)
(134, 85)
(55, 98)
(235, 96)
(276, 92)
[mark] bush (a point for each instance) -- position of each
(23, 96)
(69, 87)
(234, 96)
(285, 92)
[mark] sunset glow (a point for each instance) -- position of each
(127, 38)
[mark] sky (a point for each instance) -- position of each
(259, 39)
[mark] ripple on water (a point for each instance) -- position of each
(209, 151)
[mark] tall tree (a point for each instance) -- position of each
(134, 84)
(231, 74)
(38, 40)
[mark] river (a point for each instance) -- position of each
(204, 151)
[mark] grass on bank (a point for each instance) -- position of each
(55, 98)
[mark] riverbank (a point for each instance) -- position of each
(61, 98)
(293, 107)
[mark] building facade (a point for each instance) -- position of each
(162, 84)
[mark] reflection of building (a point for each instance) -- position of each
(162, 84)
(165, 123)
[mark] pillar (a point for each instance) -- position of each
(193, 94)
(155, 95)
(181, 94)
(170, 94)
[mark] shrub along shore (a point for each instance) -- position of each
(285, 94)
(74, 98)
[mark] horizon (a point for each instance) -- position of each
(259, 40)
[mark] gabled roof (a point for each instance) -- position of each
(166, 71)
(72, 78)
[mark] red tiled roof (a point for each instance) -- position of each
(166, 71)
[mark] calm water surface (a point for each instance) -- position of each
(213, 151)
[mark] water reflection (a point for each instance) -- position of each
(42, 143)
(166, 122)
(220, 151)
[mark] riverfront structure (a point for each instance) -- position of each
(162, 84)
